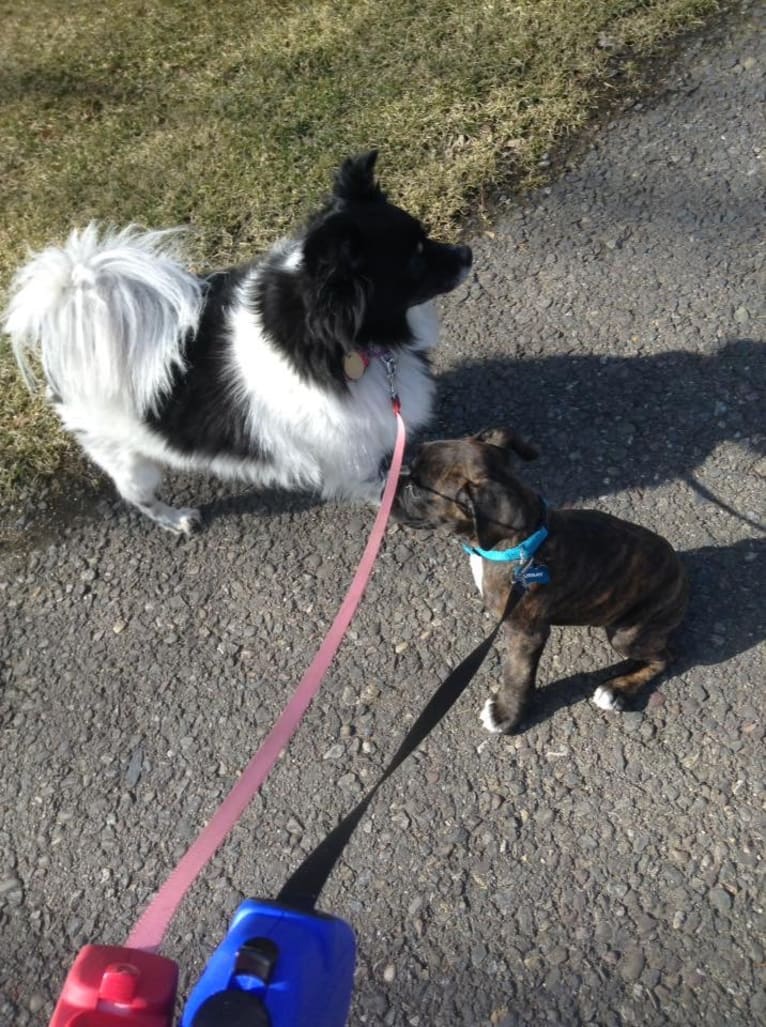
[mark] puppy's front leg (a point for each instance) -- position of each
(523, 648)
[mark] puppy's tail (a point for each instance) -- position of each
(107, 315)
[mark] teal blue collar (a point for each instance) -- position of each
(522, 553)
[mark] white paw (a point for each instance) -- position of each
(188, 520)
(490, 720)
(605, 699)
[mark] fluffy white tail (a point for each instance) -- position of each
(107, 316)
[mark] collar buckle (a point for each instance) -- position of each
(532, 574)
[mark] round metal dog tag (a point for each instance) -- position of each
(354, 366)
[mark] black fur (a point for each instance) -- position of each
(201, 414)
(363, 264)
(311, 315)
(355, 179)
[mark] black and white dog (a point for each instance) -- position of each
(272, 372)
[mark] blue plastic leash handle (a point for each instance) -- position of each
(278, 966)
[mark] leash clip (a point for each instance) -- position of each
(389, 365)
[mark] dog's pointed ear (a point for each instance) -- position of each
(505, 438)
(337, 290)
(492, 509)
(355, 179)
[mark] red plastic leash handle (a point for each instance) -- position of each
(113, 986)
(150, 929)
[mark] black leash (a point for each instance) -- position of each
(304, 886)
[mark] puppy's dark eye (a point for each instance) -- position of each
(419, 248)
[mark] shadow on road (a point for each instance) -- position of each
(605, 424)
(259, 504)
(727, 614)
(637, 421)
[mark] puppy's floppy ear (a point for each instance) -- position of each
(505, 438)
(337, 290)
(493, 511)
(355, 179)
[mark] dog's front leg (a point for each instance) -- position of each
(523, 649)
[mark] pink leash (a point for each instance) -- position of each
(153, 923)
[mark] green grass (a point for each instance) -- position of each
(231, 116)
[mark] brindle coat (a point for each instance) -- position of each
(604, 571)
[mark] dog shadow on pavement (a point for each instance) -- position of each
(606, 424)
(259, 503)
(674, 409)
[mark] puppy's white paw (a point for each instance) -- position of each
(490, 719)
(605, 699)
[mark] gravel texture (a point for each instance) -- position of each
(597, 868)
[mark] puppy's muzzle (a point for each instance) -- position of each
(408, 505)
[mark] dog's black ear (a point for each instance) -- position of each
(355, 179)
(505, 438)
(493, 510)
(336, 287)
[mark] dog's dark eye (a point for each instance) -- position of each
(419, 248)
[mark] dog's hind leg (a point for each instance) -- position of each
(504, 710)
(137, 479)
(646, 640)
(649, 649)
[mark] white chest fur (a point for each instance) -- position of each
(477, 569)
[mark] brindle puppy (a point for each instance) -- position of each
(603, 571)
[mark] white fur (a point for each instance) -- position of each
(477, 569)
(489, 719)
(321, 440)
(108, 317)
(605, 699)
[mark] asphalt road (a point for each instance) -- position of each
(596, 868)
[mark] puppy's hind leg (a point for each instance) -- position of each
(502, 712)
(137, 478)
(650, 651)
